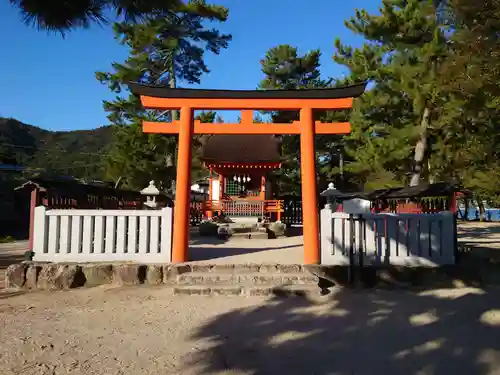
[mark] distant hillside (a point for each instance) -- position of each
(77, 153)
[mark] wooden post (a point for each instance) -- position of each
(33, 204)
(182, 191)
(222, 189)
(263, 187)
(246, 116)
(309, 191)
(209, 213)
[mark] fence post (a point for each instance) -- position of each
(40, 231)
(326, 232)
(166, 233)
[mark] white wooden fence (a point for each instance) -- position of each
(103, 235)
(398, 239)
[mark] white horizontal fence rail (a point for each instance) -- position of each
(103, 235)
(397, 239)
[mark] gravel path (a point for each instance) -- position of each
(145, 330)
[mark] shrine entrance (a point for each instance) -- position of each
(304, 101)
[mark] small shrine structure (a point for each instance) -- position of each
(240, 167)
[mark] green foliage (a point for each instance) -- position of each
(198, 170)
(165, 48)
(405, 45)
(417, 66)
(285, 69)
(76, 153)
(63, 16)
(206, 116)
(7, 239)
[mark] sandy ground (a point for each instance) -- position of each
(147, 331)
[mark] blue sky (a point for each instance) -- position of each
(48, 81)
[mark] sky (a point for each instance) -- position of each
(48, 81)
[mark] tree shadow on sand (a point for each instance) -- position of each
(357, 332)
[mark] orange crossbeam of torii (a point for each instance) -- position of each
(304, 101)
(262, 128)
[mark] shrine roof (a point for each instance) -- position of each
(242, 148)
(167, 92)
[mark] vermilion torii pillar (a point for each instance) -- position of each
(304, 101)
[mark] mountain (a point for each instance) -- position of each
(77, 153)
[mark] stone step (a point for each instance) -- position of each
(241, 268)
(247, 290)
(258, 278)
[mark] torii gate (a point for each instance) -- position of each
(305, 101)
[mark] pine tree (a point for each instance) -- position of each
(285, 69)
(392, 122)
(163, 50)
(471, 75)
(63, 16)
(198, 171)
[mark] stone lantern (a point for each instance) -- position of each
(151, 192)
(331, 195)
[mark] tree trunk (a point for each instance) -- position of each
(482, 211)
(420, 149)
(431, 178)
(341, 165)
(172, 151)
(172, 84)
(117, 183)
(466, 209)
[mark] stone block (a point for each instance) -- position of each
(286, 279)
(171, 271)
(129, 274)
(227, 291)
(289, 268)
(277, 229)
(59, 276)
(196, 291)
(223, 268)
(154, 275)
(266, 268)
(32, 275)
(394, 276)
(259, 291)
(97, 274)
(246, 268)
(15, 276)
(208, 228)
(206, 278)
(201, 268)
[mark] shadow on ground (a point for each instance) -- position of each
(207, 253)
(479, 230)
(358, 332)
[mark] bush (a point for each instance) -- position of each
(7, 239)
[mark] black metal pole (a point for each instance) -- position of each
(361, 240)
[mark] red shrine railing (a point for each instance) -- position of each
(245, 208)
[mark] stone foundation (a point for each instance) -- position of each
(245, 279)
